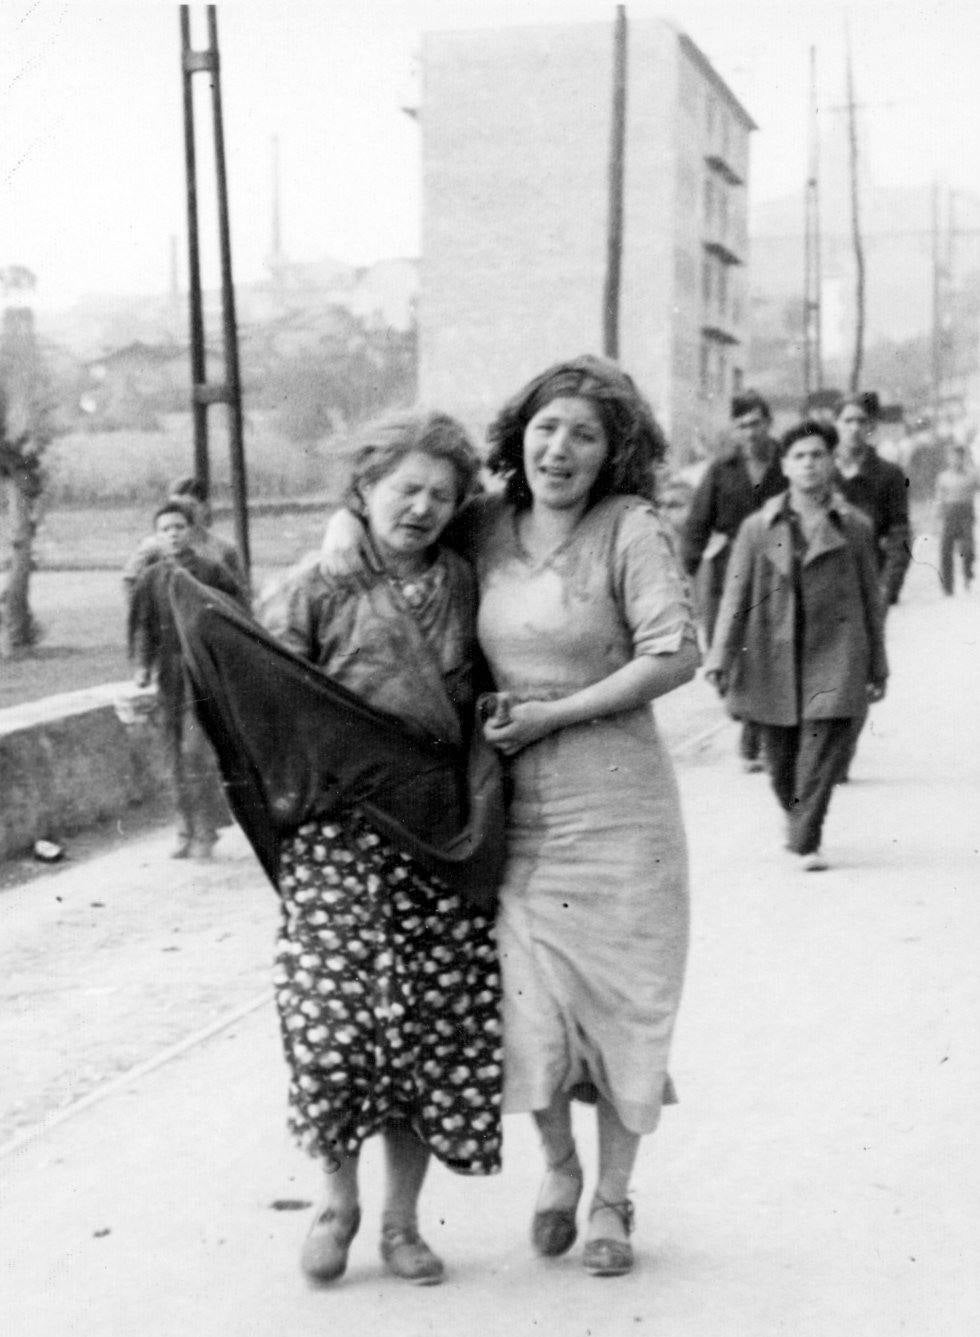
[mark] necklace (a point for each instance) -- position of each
(417, 589)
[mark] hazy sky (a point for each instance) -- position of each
(91, 147)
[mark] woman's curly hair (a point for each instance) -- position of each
(636, 442)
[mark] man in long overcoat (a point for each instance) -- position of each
(799, 642)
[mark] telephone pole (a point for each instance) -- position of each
(229, 391)
(617, 153)
(812, 280)
(937, 313)
(859, 277)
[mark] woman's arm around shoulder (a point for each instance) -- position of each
(346, 549)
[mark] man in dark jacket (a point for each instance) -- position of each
(800, 643)
(190, 494)
(875, 486)
(734, 485)
(879, 489)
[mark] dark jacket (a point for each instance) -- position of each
(725, 496)
(293, 745)
(880, 490)
(204, 544)
(755, 637)
(357, 631)
(151, 631)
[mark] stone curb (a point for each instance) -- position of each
(70, 761)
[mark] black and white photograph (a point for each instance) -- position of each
(489, 729)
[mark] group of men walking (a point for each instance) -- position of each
(800, 547)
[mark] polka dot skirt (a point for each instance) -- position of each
(389, 1000)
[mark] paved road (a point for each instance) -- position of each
(820, 1177)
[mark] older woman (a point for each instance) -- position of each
(584, 619)
(387, 981)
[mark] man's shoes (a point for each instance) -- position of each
(814, 862)
(200, 849)
(607, 1257)
(753, 765)
(182, 848)
(405, 1254)
(553, 1229)
(324, 1255)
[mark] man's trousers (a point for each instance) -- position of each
(804, 763)
(957, 532)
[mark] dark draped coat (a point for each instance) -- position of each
(293, 745)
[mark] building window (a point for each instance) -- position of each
(709, 202)
(722, 289)
(706, 284)
(738, 380)
(713, 377)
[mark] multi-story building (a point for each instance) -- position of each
(516, 134)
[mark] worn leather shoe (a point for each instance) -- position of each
(405, 1254)
(324, 1256)
(553, 1229)
(606, 1257)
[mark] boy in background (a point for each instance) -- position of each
(155, 650)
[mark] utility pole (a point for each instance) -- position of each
(937, 314)
(812, 281)
(617, 154)
(229, 391)
(190, 62)
(859, 291)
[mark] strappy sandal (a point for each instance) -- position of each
(405, 1254)
(325, 1249)
(553, 1229)
(609, 1257)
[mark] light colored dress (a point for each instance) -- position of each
(593, 922)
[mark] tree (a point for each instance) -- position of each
(24, 434)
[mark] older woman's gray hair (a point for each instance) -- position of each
(383, 444)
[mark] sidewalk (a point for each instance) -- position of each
(819, 1178)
